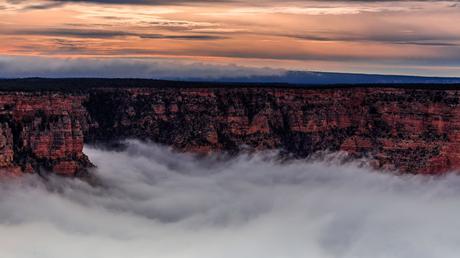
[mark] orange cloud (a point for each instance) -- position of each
(303, 34)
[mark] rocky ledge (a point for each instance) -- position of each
(44, 123)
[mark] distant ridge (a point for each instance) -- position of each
(84, 84)
(324, 78)
(281, 78)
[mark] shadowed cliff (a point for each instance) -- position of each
(412, 128)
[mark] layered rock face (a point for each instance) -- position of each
(42, 131)
(410, 130)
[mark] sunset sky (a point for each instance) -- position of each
(386, 37)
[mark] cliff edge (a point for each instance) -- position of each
(410, 129)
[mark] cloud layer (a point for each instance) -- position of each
(402, 37)
(157, 203)
(169, 2)
(20, 67)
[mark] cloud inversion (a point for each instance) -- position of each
(155, 203)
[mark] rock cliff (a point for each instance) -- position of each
(42, 131)
(410, 129)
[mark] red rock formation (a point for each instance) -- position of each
(411, 130)
(42, 131)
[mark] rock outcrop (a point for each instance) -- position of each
(413, 130)
(42, 131)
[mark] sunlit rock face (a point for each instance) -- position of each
(411, 130)
(42, 131)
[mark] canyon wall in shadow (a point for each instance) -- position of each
(44, 123)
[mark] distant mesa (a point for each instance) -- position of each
(324, 78)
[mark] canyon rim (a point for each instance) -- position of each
(396, 128)
(229, 128)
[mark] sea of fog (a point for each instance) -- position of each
(157, 203)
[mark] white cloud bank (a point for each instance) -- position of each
(155, 203)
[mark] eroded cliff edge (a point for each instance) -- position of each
(42, 131)
(414, 130)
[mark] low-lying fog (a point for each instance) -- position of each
(156, 203)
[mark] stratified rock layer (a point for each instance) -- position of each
(411, 130)
(407, 129)
(42, 131)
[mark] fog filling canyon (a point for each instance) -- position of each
(153, 201)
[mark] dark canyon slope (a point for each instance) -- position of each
(44, 123)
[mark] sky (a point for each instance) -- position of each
(153, 202)
(385, 37)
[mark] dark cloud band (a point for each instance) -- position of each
(77, 33)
